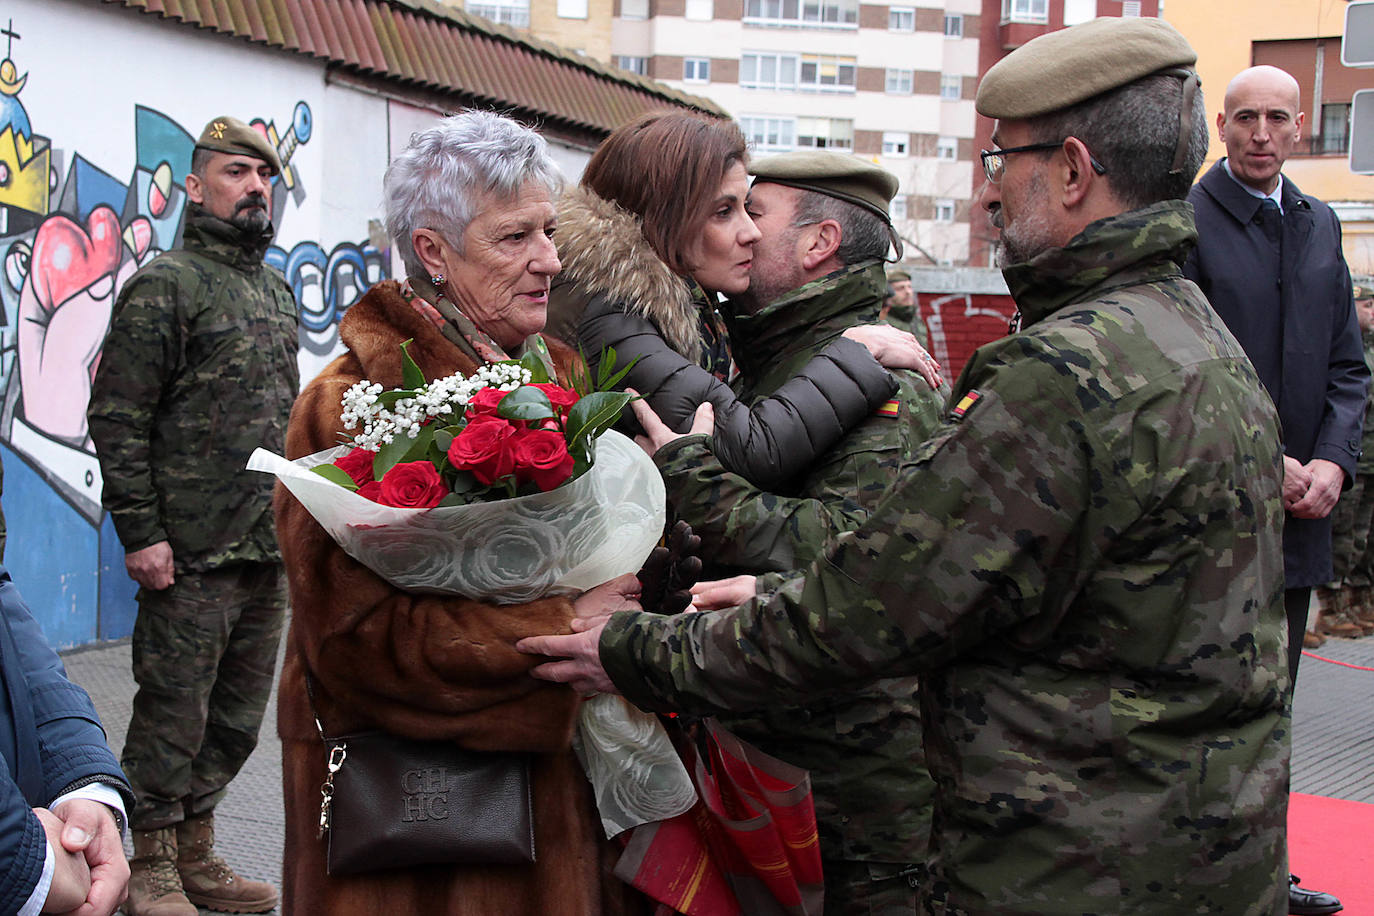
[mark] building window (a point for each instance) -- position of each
(700, 10)
(1078, 11)
(947, 148)
(844, 13)
(896, 143)
(634, 9)
(1025, 11)
(944, 211)
(824, 73)
(1130, 9)
(901, 19)
(696, 70)
(638, 65)
(572, 9)
(954, 26)
(899, 82)
(951, 86)
(1335, 136)
(768, 70)
(825, 133)
(898, 207)
(507, 12)
(770, 135)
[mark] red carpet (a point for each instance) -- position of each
(1331, 846)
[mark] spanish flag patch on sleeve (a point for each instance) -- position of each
(965, 405)
(889, 409)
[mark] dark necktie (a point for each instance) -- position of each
(1271, 219)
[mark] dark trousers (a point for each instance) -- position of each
(1295, 602)
(204, 652)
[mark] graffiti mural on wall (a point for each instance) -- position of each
(71, 235)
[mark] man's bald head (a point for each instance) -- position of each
(1267, 77)
(1261, 125)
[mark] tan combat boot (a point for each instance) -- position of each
(208, 879)
(1335, 609)
(154, 887)
(1362, 608)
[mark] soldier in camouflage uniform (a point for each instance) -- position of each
(199, 368)
(899, 307)
(1083, 564)
(824, 221)
(1347, 603)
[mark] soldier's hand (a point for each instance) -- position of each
(579, 664)
(656, 432)
(897, 349)
(597, 604)
(1322, 493)
(151, 567)
(723, 593)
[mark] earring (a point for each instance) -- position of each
(438, 280)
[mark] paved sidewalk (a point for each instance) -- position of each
(1333, 742)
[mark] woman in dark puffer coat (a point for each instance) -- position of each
(655, 230)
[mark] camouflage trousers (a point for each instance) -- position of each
(855, 888)
(204, 652)
(1351, 552)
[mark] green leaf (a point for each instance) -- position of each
(614, 380)
(443, 438)
(525, 403)
(454, 499)
(419, 448)
(388, 399)
(532, 362)
(391, 454)
(335, 474)
(411, 376)
(466, 484)
(595, 413)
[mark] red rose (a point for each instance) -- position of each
(484, 448)
(371, 490)
(561, 398)
(413, 485)
(542, 455)
(483, 402)
(357, 464)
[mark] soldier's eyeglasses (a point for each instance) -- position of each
(995, 161)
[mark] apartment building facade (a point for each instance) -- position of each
(891, 82)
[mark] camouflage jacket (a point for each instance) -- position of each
(1085, 565)
(863, 749)
(1365, 463)
(199, 369)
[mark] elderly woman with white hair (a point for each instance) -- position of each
(470, 209)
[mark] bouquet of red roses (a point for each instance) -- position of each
(503, 431)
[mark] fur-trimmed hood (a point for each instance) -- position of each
(604, 253)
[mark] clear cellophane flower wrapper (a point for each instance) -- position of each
(566, 540)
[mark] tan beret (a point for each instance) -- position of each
(1062, 68)
(1364, 290)
(840, 175)
(230, 135)
(897, 276)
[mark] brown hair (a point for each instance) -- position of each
(666, 167)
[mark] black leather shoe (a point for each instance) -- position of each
(1302, 902)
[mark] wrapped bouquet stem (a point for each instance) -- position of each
(458, 487)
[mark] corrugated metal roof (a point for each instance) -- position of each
(425, 44)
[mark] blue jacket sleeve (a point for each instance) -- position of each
(1347, 384)
(64, 728)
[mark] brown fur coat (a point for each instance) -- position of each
(424, 666)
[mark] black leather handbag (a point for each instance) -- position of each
(393, 802)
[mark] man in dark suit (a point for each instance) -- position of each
(1269, 260)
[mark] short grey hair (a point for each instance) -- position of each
(1133, 131)
(863, 234)
(439, 178)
